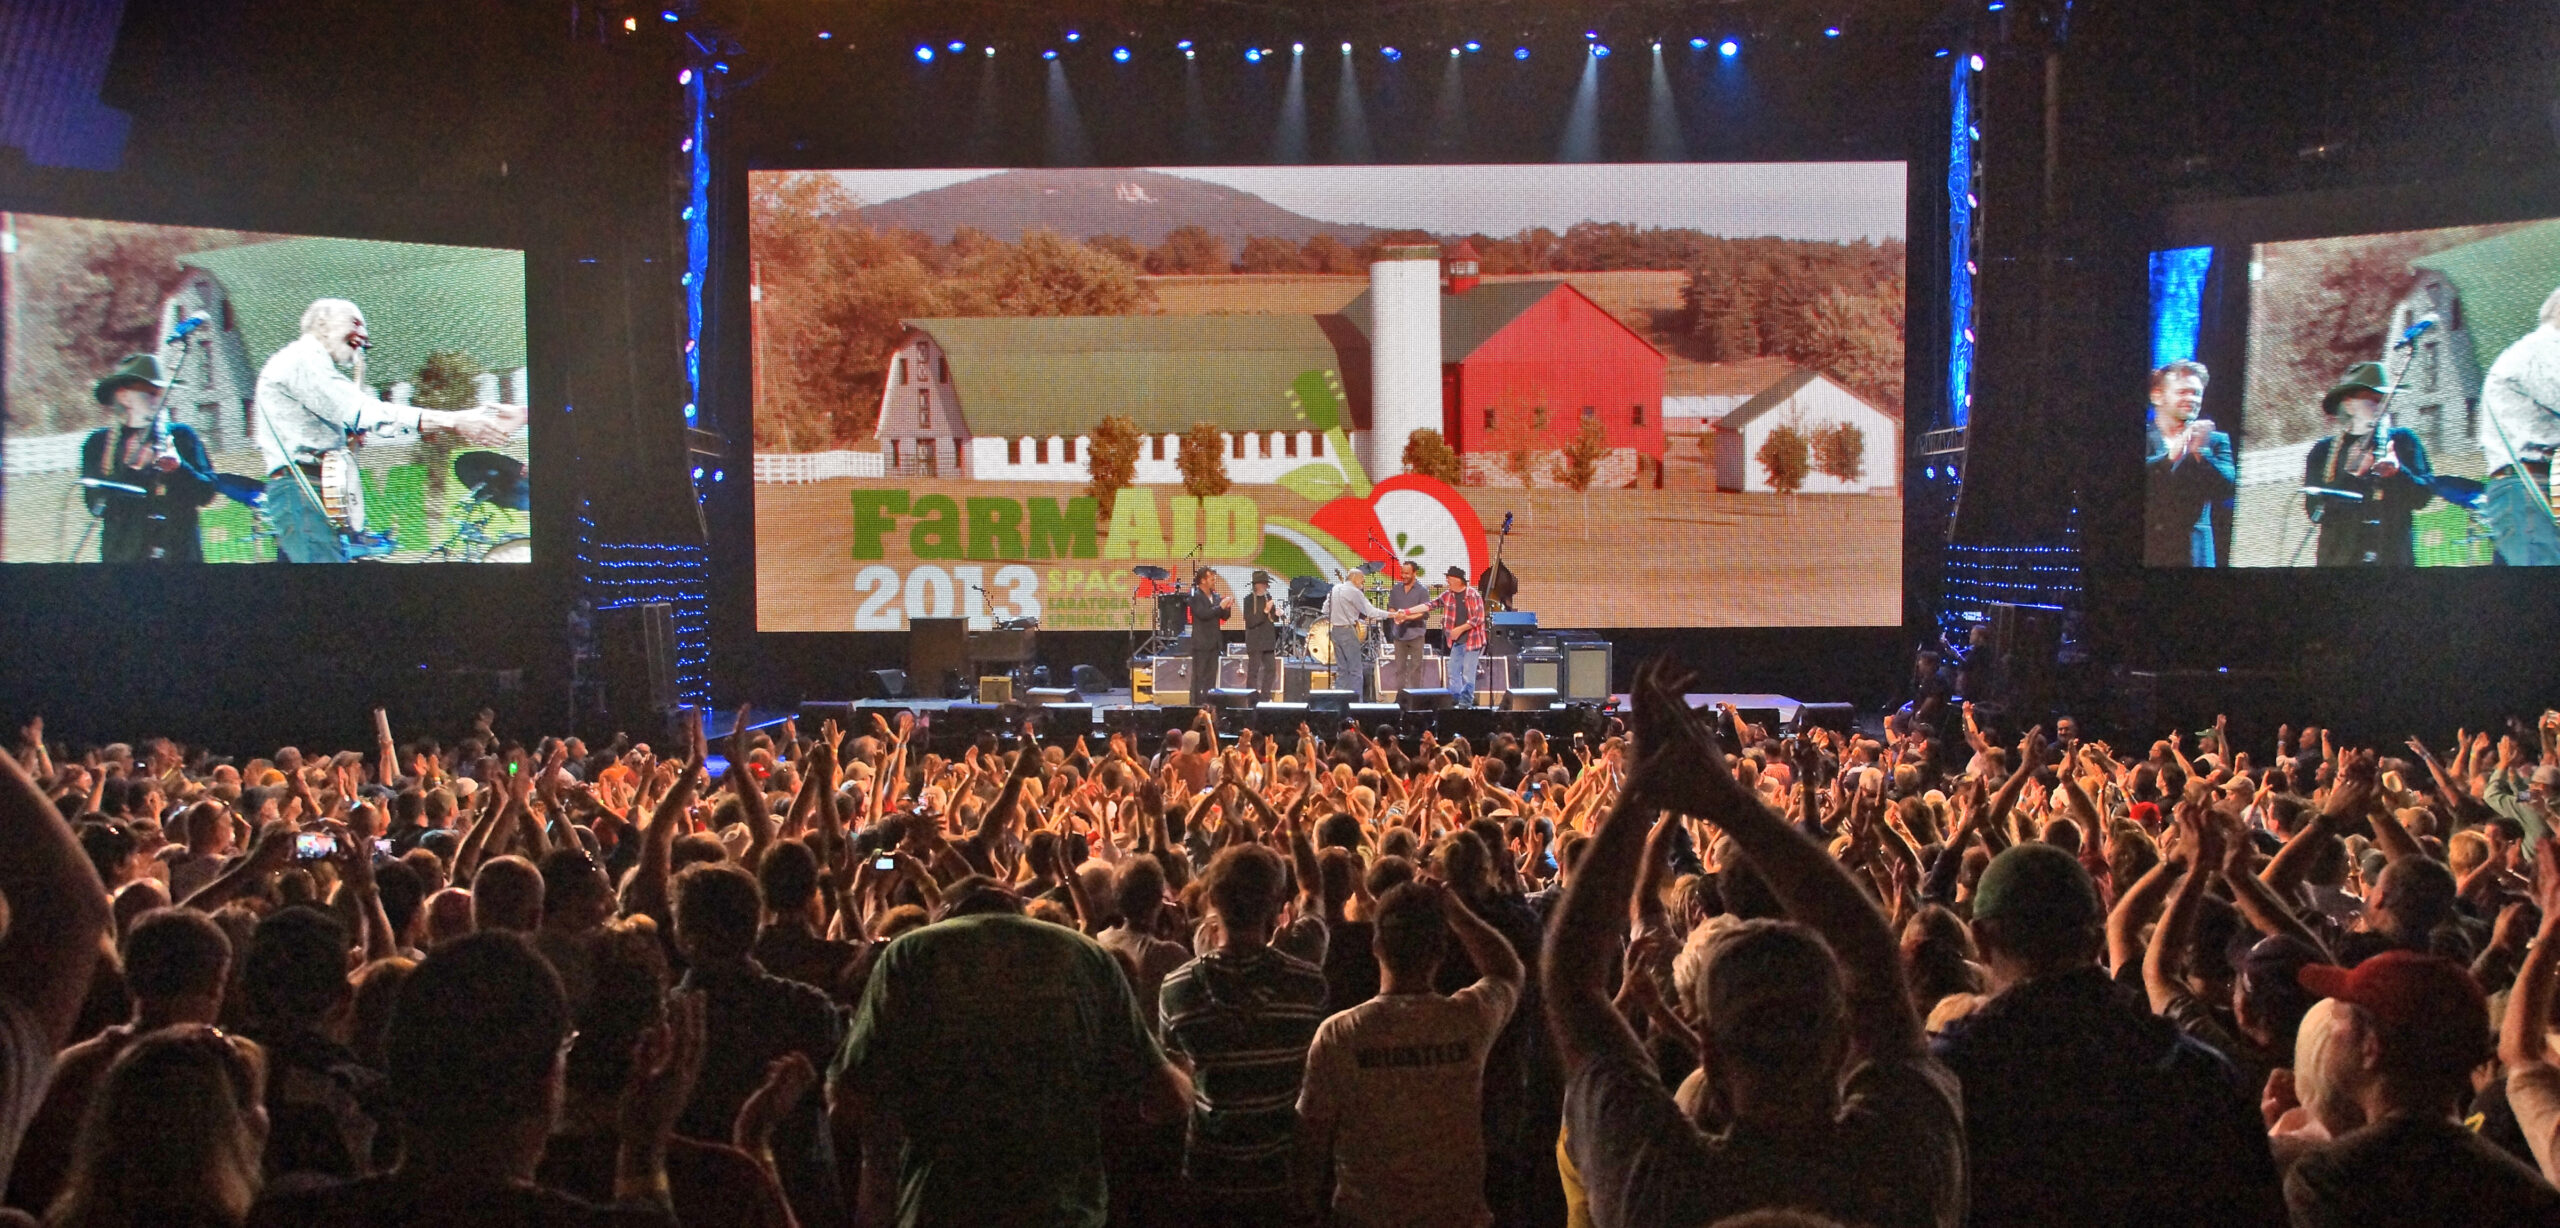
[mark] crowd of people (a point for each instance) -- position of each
(1688, 972)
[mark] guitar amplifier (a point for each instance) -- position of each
(1541, 670)
(1172, 680)
(1142, 684)
(1586, 671)
(1493, 677)
(995, 689)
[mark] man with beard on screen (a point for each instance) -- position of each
(2188, 471)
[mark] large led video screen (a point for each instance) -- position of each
(2395, 404)
(173, 394)
(998, 394)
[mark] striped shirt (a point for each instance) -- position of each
(1244, 1018)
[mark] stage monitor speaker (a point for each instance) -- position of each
(815, 712)
(1296, 679)
(1587, 671)
(884, 684)
(1375, 716)
(1838, 718)
(1090, 680)
(1229, 697)
(1765, 718)
(1425, 699)
(1278, 717)
(1063, 720)
(937, 655)
(1045, 695)
(638, 646)
(1542, 671)
(1331, 701)
(1529, 699)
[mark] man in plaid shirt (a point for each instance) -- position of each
(1462, 614)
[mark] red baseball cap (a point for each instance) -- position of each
(2432, 1013)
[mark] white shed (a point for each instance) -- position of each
(1813, 404)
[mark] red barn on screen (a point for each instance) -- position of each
(1524, 364)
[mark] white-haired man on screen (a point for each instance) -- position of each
(2519, 430)
(311, 398)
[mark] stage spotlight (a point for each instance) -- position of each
(1728, 48)
(1591, 36)
(1184, 45)
(1519, 53)
(1831, 31)
(1049, 54)
(1190, 55)
(1453, 53)
(1252, 55)
(719, 65)
(1121, 54)
(824, 35)
(1995, 6)
(631, 25)
(1073, 36)
(1975, 63)
(1346, 49)
(924, 55)
(1391, 53)
(991, 49)
(1697, 44)
(1941, 53)
(668, 15)
(1600, 51)
(697, 473)
(957, 47)
(1657, 46)
(1931, 473)
(1473, 45)
(684, 76)
(1297, 48)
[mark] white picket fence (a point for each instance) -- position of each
(800, 468)
(41, 453)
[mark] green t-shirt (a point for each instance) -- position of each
(995, 1041)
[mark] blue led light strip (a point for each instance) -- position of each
(1960, 142)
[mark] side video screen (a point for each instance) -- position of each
(2376, 400)
(171, 394)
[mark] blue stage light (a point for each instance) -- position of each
(1297, 48)
(1050, 54)
(1391, 53)
(1519, 53)
(1831, 31)
(1473, 45)
(1697, 44)
(924, 55)
(684, 76)
(824, 35)
(668, 14)
(1253, 55)
(1121, 54)
(1728, 48)
(1184, 45)
(1600, 51)
(1942, 53)
(1073, 36)
(957, 46)
(720, 66)
(1591, 36)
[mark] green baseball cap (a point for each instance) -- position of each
(2038, 883)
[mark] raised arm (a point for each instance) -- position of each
(2164, 963)
(58, 910)
(2523, 1036)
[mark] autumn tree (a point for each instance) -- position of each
(1840, 451)
(1324, 253)
(1113, 464)
(1203, 458)
(1046, 274)
(1189, 249)
(1579, 462)
(448, 379)
(1264, 254)
(1522, 463)
(1426, 453)
(1120, 248)
(1786, 458)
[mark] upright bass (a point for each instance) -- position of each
(1497, 583)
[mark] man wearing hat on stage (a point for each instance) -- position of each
(2362, 493)
(158, 479)
(1462, 620)
(1261, 638)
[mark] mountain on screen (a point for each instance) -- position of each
(1144, 206)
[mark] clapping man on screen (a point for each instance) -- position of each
(2188, 471)
(311, 399)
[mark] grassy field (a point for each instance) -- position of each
(1652, 558)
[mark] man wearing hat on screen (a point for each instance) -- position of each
(1462, 618)
(1261, 638)
(153, 473)
(2362, 493)
(2413, 1028)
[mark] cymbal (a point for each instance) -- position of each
(1371, 568)
(1149, 571)
(495, 477)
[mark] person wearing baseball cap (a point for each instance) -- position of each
(2370, 478)
(2416, 1028)
(2080, 1106)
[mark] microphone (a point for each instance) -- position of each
(186, 326)
(2418, 328)
(1506, 524)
